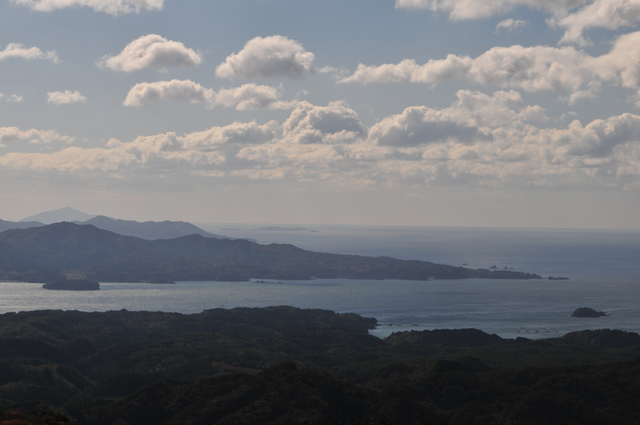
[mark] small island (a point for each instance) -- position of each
(73, 285)
(588, 312)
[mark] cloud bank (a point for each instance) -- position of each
(151, 51)
(533, 69)
(481, 140)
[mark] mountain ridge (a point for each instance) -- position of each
(149, 230)
(59, 215)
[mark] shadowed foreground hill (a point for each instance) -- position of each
(92, 253)
(283, 365)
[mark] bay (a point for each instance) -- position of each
(603, 267)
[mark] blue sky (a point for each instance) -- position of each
(513, 113)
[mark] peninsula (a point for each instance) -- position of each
(49, 253)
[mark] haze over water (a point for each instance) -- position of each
(603, 268)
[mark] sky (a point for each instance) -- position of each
(497, 113)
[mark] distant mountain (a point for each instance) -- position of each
(56, 216)
(149, 230)
(8, 225)
(88, 252)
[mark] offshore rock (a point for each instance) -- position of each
(73, 285)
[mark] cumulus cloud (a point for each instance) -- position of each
(151, 51)
(509, 25)
(467, 121)
(268, 57)
(65, 98)
(419, 126)
(537, 68)
(111, 7)
(609, 14)
(323, 124)
(17, 50)
(145, 94)
(597, 139)
(247, 96)
(314, 142)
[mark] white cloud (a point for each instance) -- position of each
(467, 121)
(473, 9)
(14, 98)
(17, 50)
(530, 68)
(420, 126)
(576, 16)
(32, 136)
(145, 94)
(597, 139)
(315, 142)
(537, 68)
(609, 14)
(510, 25)
(268, 57)
(247, 96)
(65, 98)
(111, 7)
(151, 51)
(335, 123)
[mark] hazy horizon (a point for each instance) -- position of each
(220, 227)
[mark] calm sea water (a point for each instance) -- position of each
(604, 268)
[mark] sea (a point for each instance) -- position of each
(603, 268)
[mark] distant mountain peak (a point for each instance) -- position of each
(56, 216)
(149, 230)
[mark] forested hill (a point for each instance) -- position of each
(287, 366)
(92, 253)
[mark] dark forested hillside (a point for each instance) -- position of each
(283, 365)
(92, 253)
